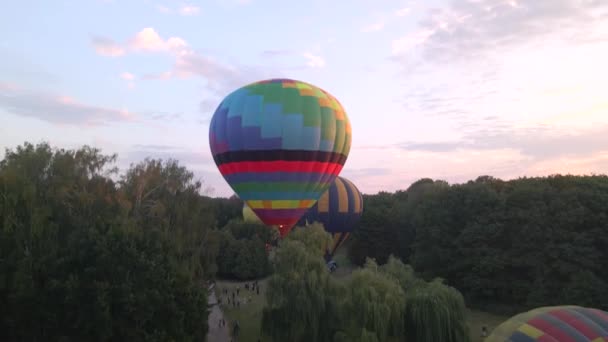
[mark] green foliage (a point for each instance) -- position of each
(403, 274)
(375, 302)
(227, 209)
(242, 250)
(305, 304)
(374, 237)
(84, 258)
(313, 236)
(246, 230)
(508, 245)
(299, 296)
(435, 312)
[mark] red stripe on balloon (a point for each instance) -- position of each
(280, 166)
(577, 323)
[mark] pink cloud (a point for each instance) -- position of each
(149, 40)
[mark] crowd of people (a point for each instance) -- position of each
(235, 297)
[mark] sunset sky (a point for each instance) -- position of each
(442, 89)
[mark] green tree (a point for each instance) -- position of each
(300, 296)
(374, 305)
(313, 236)
(435, 312)
(75, 263)
(242, 250)
(165, 197)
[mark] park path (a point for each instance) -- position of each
(216, 333)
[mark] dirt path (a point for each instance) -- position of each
(216, 333)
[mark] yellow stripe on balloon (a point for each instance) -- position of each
(342, 196)
(530, 330)
(323, 203)
(356, 199)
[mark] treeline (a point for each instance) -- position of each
(90, 254)
(506, 245)
(377, 303)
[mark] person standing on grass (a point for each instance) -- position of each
(484, 331)
(235, 330)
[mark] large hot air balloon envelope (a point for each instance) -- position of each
(554, 324)
(339, 210)
(249, 215)
(279, 144)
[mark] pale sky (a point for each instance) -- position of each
(442, 89)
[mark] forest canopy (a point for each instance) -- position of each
(506, 245)
(88, 252)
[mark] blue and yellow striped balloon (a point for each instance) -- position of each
(339, 210)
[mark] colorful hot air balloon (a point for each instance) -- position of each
(249, 215)
(279, 144)
(339, 210)
(554, 323)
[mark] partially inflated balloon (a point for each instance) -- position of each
(339, 210)
(554, 323)
(279, 144)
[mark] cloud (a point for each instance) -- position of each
(149, 40)
(162, 116)
(188, 62)
(314, 61)
(146, 40)
(411, 40)
(57, 109)
(537, 143)
(107, 47)
(467, 28)
(189, 10)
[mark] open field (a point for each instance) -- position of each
(249, 313)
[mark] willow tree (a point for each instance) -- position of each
(313, 236)
(435, 312)
(299, 296)
(373, 307)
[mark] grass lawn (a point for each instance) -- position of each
(477, 319)
(249, 315)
